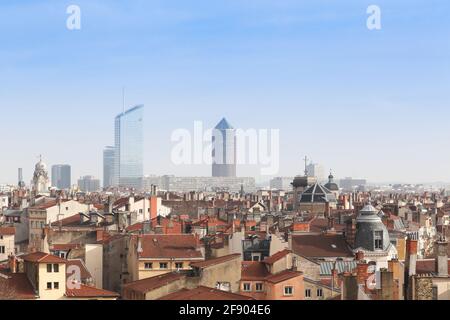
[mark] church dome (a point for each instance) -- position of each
(40, 166)
(371, 233)
(331, 185)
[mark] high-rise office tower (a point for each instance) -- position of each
(129, 148)
(108, 167)
(20, 178)
(224, 150)
(61, 176)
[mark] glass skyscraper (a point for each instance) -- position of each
(61, 176)
(224, 150)
(129, 148)
(108, 167)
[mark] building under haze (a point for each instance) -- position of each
(316, 170)
(129, 148)
(108, 167)
(61, 176)
(88, 184)
(224, 150)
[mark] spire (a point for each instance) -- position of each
(224, 125)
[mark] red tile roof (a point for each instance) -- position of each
(90, 292)
(277, 256)
(16, 286)
(283, 276)
(150, 284)
(253, 271)
(170, 246)
(85, 274)
(67, 221)
(204, 294)
(41, 257)
(216, 261)
(7, 231)
(66, 247)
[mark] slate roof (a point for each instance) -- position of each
(320, 246)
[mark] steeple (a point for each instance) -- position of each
(224, 125)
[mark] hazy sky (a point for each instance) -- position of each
(371, 104)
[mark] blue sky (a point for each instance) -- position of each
(371, 104)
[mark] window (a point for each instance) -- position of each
(2, 249)
(55, 285)
(308, 293)
(288, 291)
(1, 237)
(140, 210)
(247, 287)
(179, 265)
(49, 285)
(320, 293)
(163, 265)
(378, 237)
(49, 268)
(148, 265)
(56, 268)
(259, 287)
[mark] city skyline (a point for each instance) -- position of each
(305, 69)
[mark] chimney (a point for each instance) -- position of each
(349, 287)
(12, 263)
(411, 256)
(100, 235)
(442, 258)
(359, 256)
(387, 285)
(331, 223)
(362, 271)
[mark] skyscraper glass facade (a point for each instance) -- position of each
(129, 148)
(108, 167)
(61, 176)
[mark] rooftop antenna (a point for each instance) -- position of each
(306, 164)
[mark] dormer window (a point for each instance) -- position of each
(378, 239)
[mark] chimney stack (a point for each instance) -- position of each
(411, 256)
(442, 258)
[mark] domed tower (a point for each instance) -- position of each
(372, 238)
(41, 183)
(332, 186)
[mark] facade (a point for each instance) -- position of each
(281, 183)
(7, 235)
(108, 167)
(209, 184)
(349, 184)
(61, 176)
(129, 148)
(89, 184)
(224, 150)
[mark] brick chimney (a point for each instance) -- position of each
(411, 256)
(362, 272)
(331, 223)
(442, 258)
